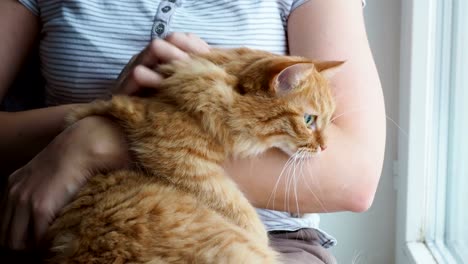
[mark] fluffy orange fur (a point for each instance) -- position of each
(177, 205)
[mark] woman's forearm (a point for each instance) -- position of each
(333, 181)
(24, 134)
(346, 175)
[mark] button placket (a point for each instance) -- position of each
(163, 17)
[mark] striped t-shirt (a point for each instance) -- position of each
(86, 43)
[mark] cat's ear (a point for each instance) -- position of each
(328, 69)
(290, 77)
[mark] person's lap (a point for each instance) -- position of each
(300, 247)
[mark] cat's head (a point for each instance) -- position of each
(285, 102)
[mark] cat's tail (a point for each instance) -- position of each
(120, 108)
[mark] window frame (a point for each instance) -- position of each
(416, 42)
(427, 44)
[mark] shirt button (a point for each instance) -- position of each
(159, 29)
(166, 9)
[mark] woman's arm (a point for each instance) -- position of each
(345, 176)
(38, 190)
(22, 134)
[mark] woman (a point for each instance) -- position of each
(85, 44)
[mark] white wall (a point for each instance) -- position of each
(371, 235)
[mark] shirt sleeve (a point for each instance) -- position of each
(297, 3)
(31, 5)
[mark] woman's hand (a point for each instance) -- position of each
(139, 71)
(38, 191)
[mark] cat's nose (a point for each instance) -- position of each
(323, 147)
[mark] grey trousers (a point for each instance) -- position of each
(300, 247)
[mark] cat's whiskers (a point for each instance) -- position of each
(289, 177)
(362, 108)
(302, 155)
(293, 170)
(315, 179)
(306, 183)
(294, 174)
(349, 111)
(289, 171)
(357, 257)
(286, 189)
(273, 193)
(292, 178)
(295, 177)
(395, 123)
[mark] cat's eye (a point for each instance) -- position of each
(310, 120)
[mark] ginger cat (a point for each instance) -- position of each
(177, 205)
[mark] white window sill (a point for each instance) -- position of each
(418, 253)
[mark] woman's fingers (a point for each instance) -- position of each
(139, 73)
(15, 221)
(146, 77)
(40, 220)
(161, 51)
(39, 190)
(6, 210)
(140, 77)
(19, 225)
(188, 42)
(7, 206)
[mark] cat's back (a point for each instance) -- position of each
(128, 217)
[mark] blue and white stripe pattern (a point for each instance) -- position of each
(86, 43)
